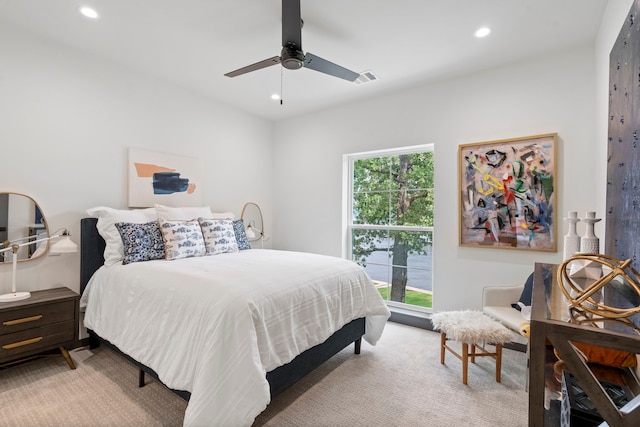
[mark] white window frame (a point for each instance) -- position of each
(347, 204)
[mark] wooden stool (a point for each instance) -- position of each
(471, 328)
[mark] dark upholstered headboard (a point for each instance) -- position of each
(91, 250)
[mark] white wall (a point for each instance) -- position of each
(543, 95)
(67, 120)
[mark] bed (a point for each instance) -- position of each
(233, 347)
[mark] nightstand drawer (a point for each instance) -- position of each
(34, 317)
(37, 338)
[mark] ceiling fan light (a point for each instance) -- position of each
(291, 59)
(275, 96)
(292, 64)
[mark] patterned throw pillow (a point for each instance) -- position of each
(241, 235)
(182, 239)
(142, 242)
(219, 236)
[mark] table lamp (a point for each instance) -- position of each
(62, 246)
(251, 231)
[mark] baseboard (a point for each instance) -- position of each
(415, 321)
(516, 346)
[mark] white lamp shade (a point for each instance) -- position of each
(250, 233)
(64, 246)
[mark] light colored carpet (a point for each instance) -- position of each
(101, 391)
(399, 382)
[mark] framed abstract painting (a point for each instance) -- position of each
(508, 193)
(163, 178)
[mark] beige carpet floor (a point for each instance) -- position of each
(399, 382)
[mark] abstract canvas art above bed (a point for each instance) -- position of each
(164, 178)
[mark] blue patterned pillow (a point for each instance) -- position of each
(141, 242)
(182, 239)
(241, 235)
(219, 236)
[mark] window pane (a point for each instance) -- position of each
(371, 174)
(367, 242)
(412, 207)
(412, 171)
(371, 208)
(406, 243)
(420, 172)
(418, 291)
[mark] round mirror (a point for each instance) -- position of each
(21, 222)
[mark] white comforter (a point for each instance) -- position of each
(215, 325)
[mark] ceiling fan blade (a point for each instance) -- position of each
(291, 24)
(253, 67)
(318, 64)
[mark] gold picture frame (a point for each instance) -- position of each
(507, 193)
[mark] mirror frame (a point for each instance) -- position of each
(251, 213)
(43, 221)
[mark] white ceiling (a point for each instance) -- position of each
(405, 42)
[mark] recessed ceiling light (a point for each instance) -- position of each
(89, 12)
(482, 32)
(275, 96)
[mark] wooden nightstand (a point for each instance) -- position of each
(46, 321)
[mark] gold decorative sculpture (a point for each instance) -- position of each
(582, 279)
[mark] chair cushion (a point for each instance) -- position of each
(509, 317)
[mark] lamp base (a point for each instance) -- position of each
(15, 296)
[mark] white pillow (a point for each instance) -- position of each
(222, 215)
(182, 214)
(107, 218)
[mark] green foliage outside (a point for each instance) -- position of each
(393, 191)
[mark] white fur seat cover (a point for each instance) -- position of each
(471, 326)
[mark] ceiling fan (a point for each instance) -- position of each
(292, 57)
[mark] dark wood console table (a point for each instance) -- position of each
(550, 329)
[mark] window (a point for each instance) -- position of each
(390, 221)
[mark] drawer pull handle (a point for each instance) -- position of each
(21, 343)
(23, 320)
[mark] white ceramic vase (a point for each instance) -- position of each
(572, 239)
(590, 243)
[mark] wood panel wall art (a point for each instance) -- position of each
(623, 160)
